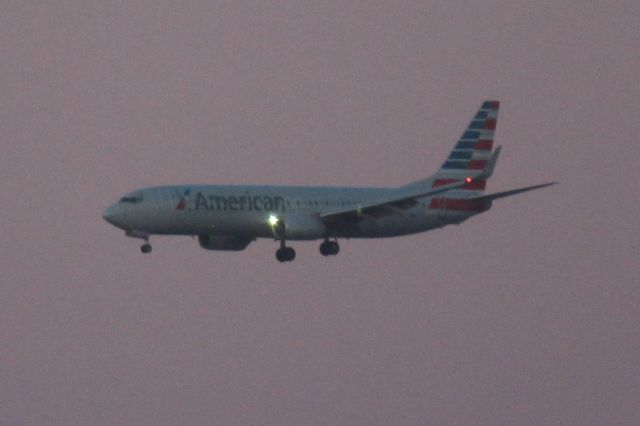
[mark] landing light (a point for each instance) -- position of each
(273, 220)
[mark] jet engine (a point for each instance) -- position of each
(223, 242)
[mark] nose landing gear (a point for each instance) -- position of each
(329, 248)
(146, 247)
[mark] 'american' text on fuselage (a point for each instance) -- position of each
(239, 203)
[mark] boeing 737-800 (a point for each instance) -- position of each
(229, 217)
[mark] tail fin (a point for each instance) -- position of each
(464, 174)
(472, 156)
(473, 149)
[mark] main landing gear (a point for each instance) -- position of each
(329, 248)
(287, 254)
(284, 253)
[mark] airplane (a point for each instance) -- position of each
(230, 217)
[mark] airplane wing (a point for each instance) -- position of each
(491, 197)
(389, 204)
(398, 203)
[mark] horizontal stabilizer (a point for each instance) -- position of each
(491, 197)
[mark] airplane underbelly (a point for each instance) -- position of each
(208, 222)
(412, 222)
(389, 226)
(226, 223)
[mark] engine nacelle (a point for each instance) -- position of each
(299, 227)
(223, 242)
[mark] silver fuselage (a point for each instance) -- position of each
(245, 211)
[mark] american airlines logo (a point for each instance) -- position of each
(184, 200)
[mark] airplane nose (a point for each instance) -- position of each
(113, 215)
(108, 214)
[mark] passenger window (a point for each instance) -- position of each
(132, 200)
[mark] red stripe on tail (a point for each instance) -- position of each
(484, 145)
(477, 164)
(490, 124)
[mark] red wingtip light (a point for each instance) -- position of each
(468, 180)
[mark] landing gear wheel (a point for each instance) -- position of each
(290, 254)
(146, 248)
(324, 248)
(335, 248)
(285, 254)
(329, 248)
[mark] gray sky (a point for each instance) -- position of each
(527, 314)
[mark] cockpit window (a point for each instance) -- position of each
(131, 199)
